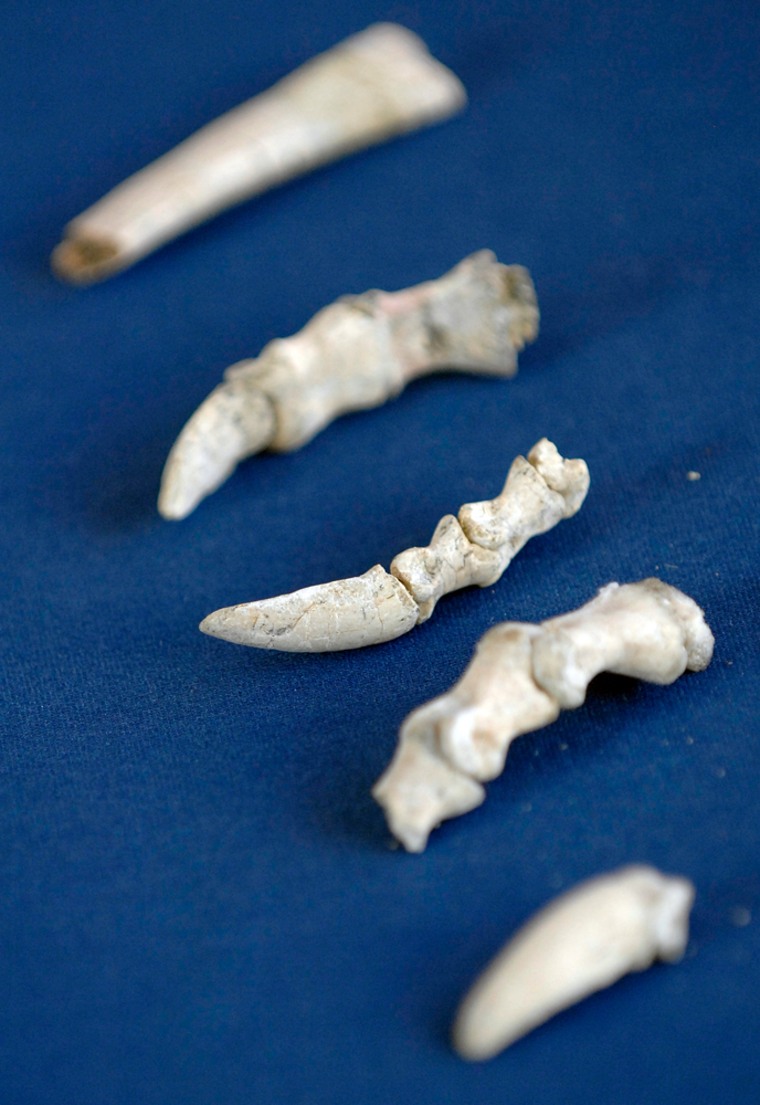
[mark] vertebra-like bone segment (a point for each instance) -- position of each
(477, 547)
(520, 677)
(354, 354)
(583, 942)
(374, 85)
(379, 606)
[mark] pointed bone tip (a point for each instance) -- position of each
(85, 260)
(174, 503)
(233, 422)
(328, 617)
(217, 624)
(471, 1042)
(173, 514)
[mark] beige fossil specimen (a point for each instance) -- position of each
(519, 679)
(353, 354)
(374, 85)
(474, 548)
(582, 942)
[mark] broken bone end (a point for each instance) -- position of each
(86, 259)
(699, 641)
(568, 477)
(670, 921)
(431, 90)
(378, 83)
(520, 293)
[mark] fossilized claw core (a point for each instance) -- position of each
(474, 548)
(308, 620)
(582, 942)
(354, 354)
(519, 679)
(374, 85)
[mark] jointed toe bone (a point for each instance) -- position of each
(474, 549)
(519, 679)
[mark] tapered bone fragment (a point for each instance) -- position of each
(379, 606)
(519, 679)
(354, 354)
(374, 85)
(582, 942)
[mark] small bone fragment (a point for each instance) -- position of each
(582, 942)
(519, 679)
(354, 354)
(379, 606)
(369, 88)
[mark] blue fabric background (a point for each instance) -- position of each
(199, 901)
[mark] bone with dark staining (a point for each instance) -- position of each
(583, 942)
(374, 85)
(519, 679)
(354, 354)
(380, 605)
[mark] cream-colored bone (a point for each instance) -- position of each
(449, 562)
(354, 354)
(477, 547)
(379, 606)
(583, 942)
(520, 677)
(374, 85)
(655, 639)
(309, 620)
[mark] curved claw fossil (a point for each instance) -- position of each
(374, 85)
(474, 548)
(354, 354)
(583, 942)
(518, 680)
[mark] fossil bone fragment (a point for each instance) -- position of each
(519, 679)
(354, 354)
(582, 942)
(379, 606)
(370, 87)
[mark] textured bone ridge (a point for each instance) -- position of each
(370, 87)
(354, 354)
(520, 678)
(464, 552)
(448, 563)
(584, 941)
(380, 605)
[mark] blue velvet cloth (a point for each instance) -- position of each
(199, 900)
